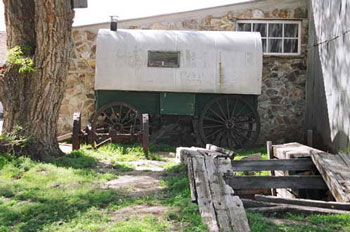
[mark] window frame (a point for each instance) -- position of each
(178, 53)
(283, 22)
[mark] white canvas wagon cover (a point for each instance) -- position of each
(208, 61)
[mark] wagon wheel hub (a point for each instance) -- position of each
(230, 124)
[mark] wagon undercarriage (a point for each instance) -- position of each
(226, 121)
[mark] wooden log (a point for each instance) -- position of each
(64, 137)
(296, 209)
(304, 202)
(258, 182)
(335, 173)
(282, 164)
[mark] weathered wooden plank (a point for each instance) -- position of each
(258, 182)
(309, 137)
(346, 158)
(335, 173)
(270, 156)
(297, 209)
(281, 164)
(304, 202)
(250, 193)
(204, 197)
(191, 180)
(249, 203)
(292, 150)
(64, 137)
(224, 151)
(229, 209)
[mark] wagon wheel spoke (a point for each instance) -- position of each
(213, 120)
(213, 134)
(243, 122)
(240, 111)
(241, 134)
(234, 109)
(126, 115)
(217, 115)
(222, 112)
(214, 126)
(229, 121)
(237, 139)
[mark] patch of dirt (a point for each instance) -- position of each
(147, 165)
(136, 183)
(139, 211)
(281, 221)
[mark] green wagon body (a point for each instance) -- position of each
(160, 103)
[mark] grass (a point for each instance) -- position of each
(66, 195)
(246, 152)
(300, 223)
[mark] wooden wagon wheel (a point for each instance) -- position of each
(229, 121)
(116, 117)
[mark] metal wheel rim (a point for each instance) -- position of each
(229, 121)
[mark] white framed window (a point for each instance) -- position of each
(278, 37)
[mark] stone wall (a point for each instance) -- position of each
(282, 103)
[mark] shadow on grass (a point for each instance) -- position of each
(76, 159)
(34, 213)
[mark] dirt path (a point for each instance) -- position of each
(143, 180)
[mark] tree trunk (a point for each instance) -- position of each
(32, 100)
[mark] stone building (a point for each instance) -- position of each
(284, 28)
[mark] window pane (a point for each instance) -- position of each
(264, 45)
(290, 46)
(275, 30)
(163, 59)
(244, 27)
(260, 27)
(275, 46)
(291, 30)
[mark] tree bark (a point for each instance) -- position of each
(32, 100)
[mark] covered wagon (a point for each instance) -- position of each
(213, 77)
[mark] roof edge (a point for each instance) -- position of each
(175, 13)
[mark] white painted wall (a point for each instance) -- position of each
(122, 58)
